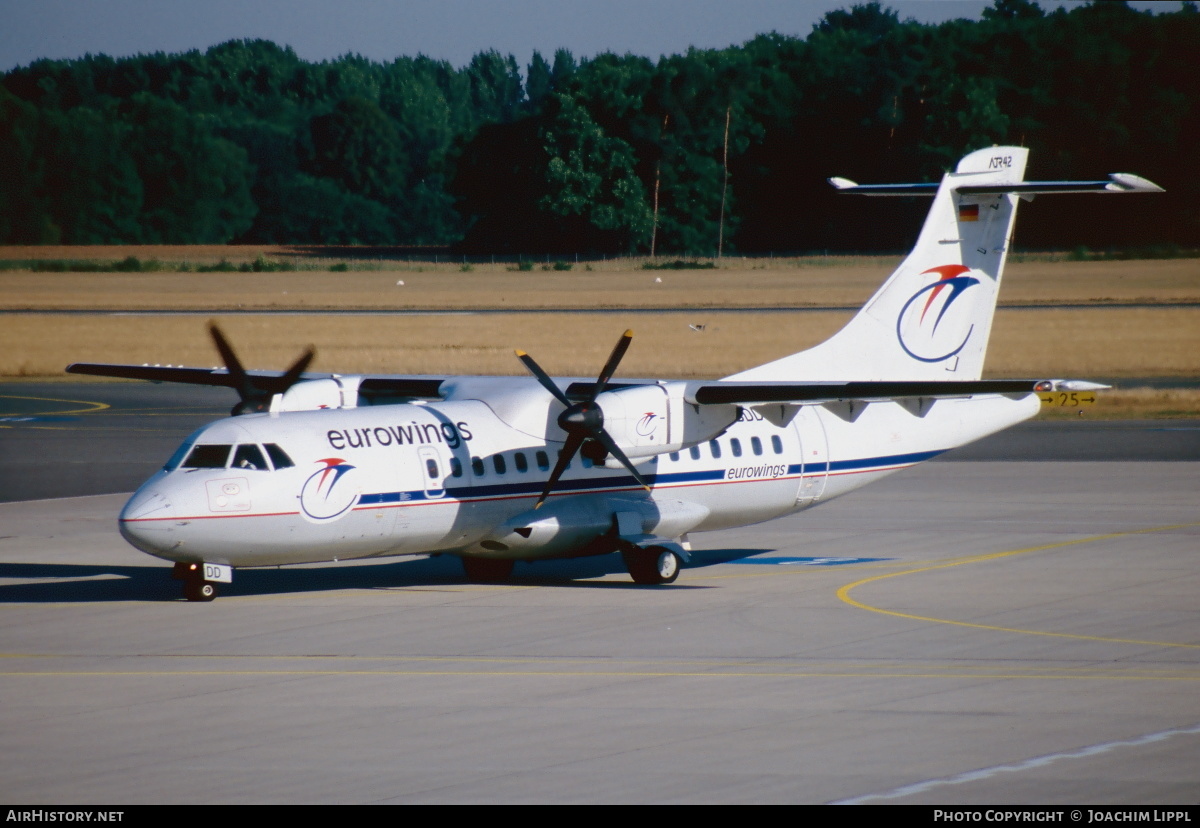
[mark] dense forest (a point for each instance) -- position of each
(616, 154)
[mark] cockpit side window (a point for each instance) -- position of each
(208, 457)
(178, 456)
(278, 456)
(249, 456)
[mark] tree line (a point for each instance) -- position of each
(712, 150)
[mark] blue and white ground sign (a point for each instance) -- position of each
(807, 561)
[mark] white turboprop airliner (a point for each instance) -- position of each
(320, 467)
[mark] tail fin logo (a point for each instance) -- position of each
(925, 331)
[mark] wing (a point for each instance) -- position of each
(412, 387)
(812, 393)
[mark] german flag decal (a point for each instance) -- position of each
(968, 212)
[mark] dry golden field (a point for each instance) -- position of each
(1095, 341)
(737, 283)
(1108, 342)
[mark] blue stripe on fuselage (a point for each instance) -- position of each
(626, 481)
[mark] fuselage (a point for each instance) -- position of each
(456, 477)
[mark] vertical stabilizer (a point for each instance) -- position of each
(932, 318)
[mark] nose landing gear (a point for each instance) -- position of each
(195, 586)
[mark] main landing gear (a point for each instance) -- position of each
(195, 588)
(652, 565)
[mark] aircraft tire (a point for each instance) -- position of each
(653, 565)
(195, 590)
(488, 570)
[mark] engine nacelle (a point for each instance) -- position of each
(310, 395)
(646, 420)
(560, 527)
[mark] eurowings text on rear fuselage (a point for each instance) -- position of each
(318, 467)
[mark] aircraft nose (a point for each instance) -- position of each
(147, 504)
(146, 521)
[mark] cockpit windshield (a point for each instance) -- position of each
(249, 456)
(244, 456)
(208, 457)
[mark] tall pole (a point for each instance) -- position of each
(724, 187)
(657, 178)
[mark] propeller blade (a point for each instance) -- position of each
(574, 441)
(614, 360)
(248, 400)
(232, 364)
(583, 421)
(543, 378)
(298, 367)
(256, 396)
(615, 451)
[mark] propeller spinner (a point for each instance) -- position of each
(583, 421)
(256, 392)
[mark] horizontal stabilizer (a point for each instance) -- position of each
(1116, 183)
(845, 185)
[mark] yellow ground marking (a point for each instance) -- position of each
(89, 429)
(95, 406)
(844, 593)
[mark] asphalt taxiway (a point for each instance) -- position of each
(982, 631)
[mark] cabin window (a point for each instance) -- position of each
(249, 456)
(456, 469)
(777, 444)
(431, 467)
(498, 462)
(715, 448)
(543, 460)
(208, 457)
(756, 445)
(735, 445)
(587, 462)
(674, 456)
(560, 454)
(694, 452)
(279, 457)
(520, 462)
(477, 466)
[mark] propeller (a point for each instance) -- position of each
(583, 421)
(256, 392)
